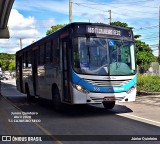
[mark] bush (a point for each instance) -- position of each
(148, 83)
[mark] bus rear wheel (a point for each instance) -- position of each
(29, 97)
(28, 93)
(109, 104)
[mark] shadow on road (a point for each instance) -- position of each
(44, 108)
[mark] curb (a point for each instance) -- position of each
(145, 93)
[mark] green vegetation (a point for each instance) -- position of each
(7, 61)
(148, 83)
(54, 28)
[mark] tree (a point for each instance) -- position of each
(12, 66)
(6, 60)
(118, 23)
(144, 56)
(121, 24)
(54, 28)
(158, 59)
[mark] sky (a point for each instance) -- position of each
(30, 19)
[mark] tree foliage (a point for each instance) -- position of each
(54, 28)
(7, 61)
(118, 23)
(121, 24)
(158, 59)
(144, 56)
(11, 65)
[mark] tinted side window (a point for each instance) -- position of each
(56, 52)
(48, 52)
(42, 55)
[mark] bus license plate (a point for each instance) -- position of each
(109, 98)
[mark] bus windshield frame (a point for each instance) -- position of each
(103, 56)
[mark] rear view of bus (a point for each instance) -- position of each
(103, 65)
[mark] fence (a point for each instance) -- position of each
(154, 69)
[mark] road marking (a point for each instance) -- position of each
(145, 119)
(48, 133)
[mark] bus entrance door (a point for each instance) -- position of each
(65, 65)
(34, 72)
(20, 73)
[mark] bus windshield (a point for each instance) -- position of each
(101, 56)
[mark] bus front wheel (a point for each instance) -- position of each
(109, 104)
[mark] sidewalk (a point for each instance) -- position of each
(7, 128)
(8, 124)
(149, 100)
(13, 128)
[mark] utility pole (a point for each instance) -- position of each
(20, 41)
(70, 11)
(110, 17)
(159, 34)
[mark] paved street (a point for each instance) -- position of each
(134, 118)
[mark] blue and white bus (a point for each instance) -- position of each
(81, 63)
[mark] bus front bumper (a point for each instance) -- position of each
(97, 98)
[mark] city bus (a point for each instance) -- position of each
(81, 63)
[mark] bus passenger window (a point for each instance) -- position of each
(76, 61)
(24, 60)
(48, 51)
(42, 54)
(56, 52)
(29, 59)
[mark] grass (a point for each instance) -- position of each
(148, 83)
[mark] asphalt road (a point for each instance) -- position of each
(91, 123)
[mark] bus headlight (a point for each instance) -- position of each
(131, 89)
(80, 88)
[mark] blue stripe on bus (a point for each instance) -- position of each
(102, 89)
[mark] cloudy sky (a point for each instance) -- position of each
(30, 19)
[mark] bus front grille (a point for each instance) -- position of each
(100, 100)
(107, 83)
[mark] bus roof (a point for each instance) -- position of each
(93, 28)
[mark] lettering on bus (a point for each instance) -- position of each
(103, 30)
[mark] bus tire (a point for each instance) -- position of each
(29, 97)
(109, 105)
(56, 100)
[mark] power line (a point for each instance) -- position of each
(154, 45)
(147, 33)
(112, 3)
(149, 38)
(117, 7)
(150, 27)
(78, 4)
(133, 3)
(121, 2)
(84, 5)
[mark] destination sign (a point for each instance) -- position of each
(103, 30)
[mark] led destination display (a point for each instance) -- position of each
(103, 30)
